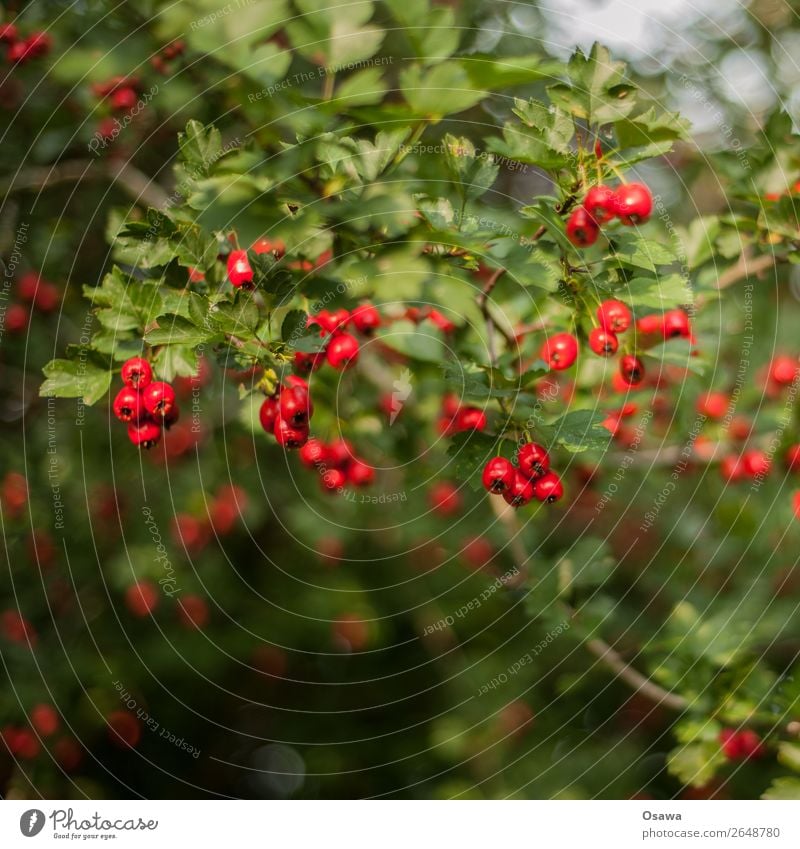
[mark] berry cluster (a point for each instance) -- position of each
(172, 51)
(286, 415)
(632, 203)
(142, 599)
(144, 404)
(122, 93)
(193, 533)
(341, 348)
(33, 292)
(337, 464)
(741, 745)
(456, 419)
(532, 479)
(21, 50)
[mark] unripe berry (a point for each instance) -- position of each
(158, 398)
(313, 453)
(360, 474)
(239, 271)
(498, 475)
(365, 318)
(560, 351)
(144, 434)
(268, 413)
(533, 459)
(520, 492)
(288, 436)
(599, 203)
(128, 405)
(582, 229)
(548, 488)
(141, 598)
(342, 352)
(633, 203)
(614, 316)
(295, 406)
(632, 369)
(603, 342)
(136, 373)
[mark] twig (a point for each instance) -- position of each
(491, 325)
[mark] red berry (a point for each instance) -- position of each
(478, 552)
(313, 453)
(676, 325)
(158, 398)
(548, 488)
(275, 247)
(614, 316)
(288, 436)
(560, 351)
(16, 318)
(603, 342)
(306, 363)
(533, 459)
(792, 458)
(21, 742)
(340, 453)
(44, 718)
(444, 498)
(144, 434)
(295, 406)
(136, 373)
(190, 532)
(17, 629)
(520, 492)
(441, 321)
(342, 352)
(39, 43)
(633, 203)
(650, 324)
(18, 52)
(582, 229)
(365, 318)
(47, 297)
(731, 469)
(127, 405)
(783, 370)
(239, 271)
(360, 474)
(141, 598)
(171, 417)
(632, 369)
(498, 475)
(192, 611)
(268, 413)
(8, 34)
(470, 418)
(68, 754)
(123, 99)
(755, 463)
(333, 479)
(741, 745)
(714, 405)
(123, 728)
(599, 203)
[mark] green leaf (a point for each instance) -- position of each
(636, 250)
(361, 89)
(237, 319)
(127, 303)
(176, 361)
(676, 352)
(474, 174)
(492, 73)
(579, 430)
(651, 127)
(75, 379)
(469, 452)
(423, 343)
(783, 788)
(199, 146)
(442, 90)
(695, 764)
(175, 330)
(658, 293)
(294, 325)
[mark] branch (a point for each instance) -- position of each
(747, 266)
(491, 325)
(131, 180)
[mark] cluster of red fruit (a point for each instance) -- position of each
(287, 413)
(560, 350)
(144, 404)
(161, 60)
(341, 347)
(632, 203)
(44, 722)
(21, 50)
(122, 93)
(337, 464)
(36, 292)
(193, 533)
(142, 599)
(741, 745)
(532, 479)
(457, 419)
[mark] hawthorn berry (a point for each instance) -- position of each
(306, 363)
(144, 434)
(333, 479)
(441, 321)
(21, 742)
(792, 458)
(342, 352)
(614, 316)
(713, 405)
(783, 370)
(755, 463)
(603, 342)
(68, 753)
(240, 273)
(470, 418)
(582, 229)
(633, 203)
(268, 413)
(190, 532)
(631, 368)
(127, 405)
(275, 247)
(340, 453)
(17, 317)
(360, 473)
(548, 488)
(158, 398)
(676, 325)
(193, 611)
(141, 598)
(8, 34)
(295, 406)
(730, 468)
(44, 718)
(520, 492)
(171, 417)
(123, 99)
(445, 498)
(365, 318)
(136, 373)
(124, 729)
(498, 475)
(478, 552)
(533, 459)
(741, 745)
(599, 203)
(648, 324)
(288, 436)
(313, 453)
(560, 351)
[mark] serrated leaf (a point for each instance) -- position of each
(695, 764)
(176, 330)
(640, 252)
(660, 293)
(238, 319)
(783, 789)
(199, 146)
(176, 361)
(442, 90)
(79, 378)
(579, 430)
(294, 325)
(474, 174)
(469, 452)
